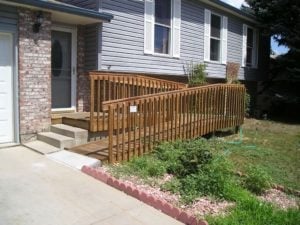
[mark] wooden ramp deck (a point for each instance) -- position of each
(126, 146)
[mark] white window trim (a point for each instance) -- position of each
(215, 38)
(223, 39)
(172, 27)
(254, 60)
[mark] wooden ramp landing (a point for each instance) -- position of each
(144, 139)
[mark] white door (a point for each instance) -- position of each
(6, 88)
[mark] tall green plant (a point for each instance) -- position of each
(196, 73)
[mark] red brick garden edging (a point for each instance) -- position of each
(148, 199)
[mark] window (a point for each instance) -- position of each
(215, 37)
(162, 27)
(249, 47)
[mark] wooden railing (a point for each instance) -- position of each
(106, 86)
(135, 124)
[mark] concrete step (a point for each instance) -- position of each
(80, 135)
(41, 147)
(57, 140)
(73, 160)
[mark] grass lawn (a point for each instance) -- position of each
(273, 146)
(265, 152)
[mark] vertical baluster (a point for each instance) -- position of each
(154, 120)
(134, 131)
(123, 130)
(159, 118)
(180, 115)
(140, 111)
(128, 130)
(92, 103)
(110, 133)
(118, 133)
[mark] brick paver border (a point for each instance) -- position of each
(148, 199)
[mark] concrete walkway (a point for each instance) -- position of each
(37, 191)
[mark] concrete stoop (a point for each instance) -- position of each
(41, 147)
(57, 140)
(61, 136)
(80, 135)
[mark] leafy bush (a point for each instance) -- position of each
(257, 180)
(196, 74)
(211, 180)
(184, 157)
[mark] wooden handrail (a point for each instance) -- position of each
(155, 95)
(135, 124)
(107, 86)
(140, 75)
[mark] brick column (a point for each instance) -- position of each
(83, 83)
(34, 74)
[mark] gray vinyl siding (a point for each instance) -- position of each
(8, 18)
(123, 41)
(88, 4)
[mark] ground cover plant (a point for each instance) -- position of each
(235, 169)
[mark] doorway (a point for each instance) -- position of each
(63, 69)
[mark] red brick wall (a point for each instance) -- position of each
(83, 83)
(34, 75)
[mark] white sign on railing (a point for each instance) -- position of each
(133, 109)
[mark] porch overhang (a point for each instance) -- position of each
(62, 12)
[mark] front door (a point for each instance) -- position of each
(63, 69)
(6, 88)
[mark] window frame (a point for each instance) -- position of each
(255, 47)
(215, 38)
(223, 37)
(251, 65)
(170, 44)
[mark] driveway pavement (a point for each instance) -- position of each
(37, 191)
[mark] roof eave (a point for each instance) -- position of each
(64, 8)
(232, 10)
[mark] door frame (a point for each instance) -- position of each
(15, 84)
(73, 31)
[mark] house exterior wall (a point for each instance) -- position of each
(34, 75)
(83, 83)
(8, 18)
(123, 42)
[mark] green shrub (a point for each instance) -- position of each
(173, 185)
(257, 180)
(146, 166)
(196, 74)
(184, 157)
(211, 180)
(169, 153)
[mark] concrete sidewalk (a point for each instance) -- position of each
(37, 191)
